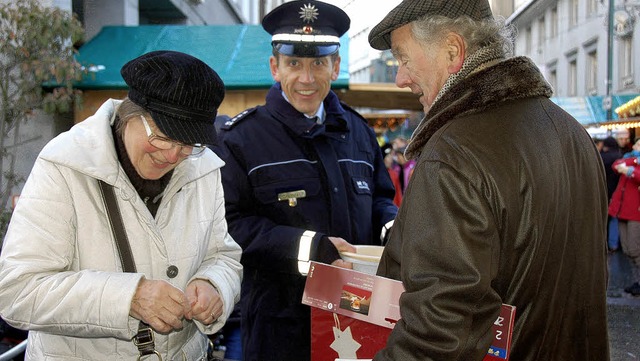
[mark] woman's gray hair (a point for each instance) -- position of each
(127, 110)
(477, 34)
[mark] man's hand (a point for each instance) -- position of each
(342, 246)
(159, 304)
(204, 299)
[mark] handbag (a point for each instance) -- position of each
(144, 339)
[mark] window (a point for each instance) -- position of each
(541, 31)
(592, 7)
(553, 80)
(592, 72)
(552, 76)
(527, 41)
(573, 13)
(626, 62)
(572, 74)
(554, 22)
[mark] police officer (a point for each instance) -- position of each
(304, 179)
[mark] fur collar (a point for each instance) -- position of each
(514, 78)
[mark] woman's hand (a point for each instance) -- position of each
(204, 300)
(159, 304)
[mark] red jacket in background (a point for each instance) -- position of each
(625, 202)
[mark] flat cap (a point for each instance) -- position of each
(306, 28)
(181, 93)
(410, 10)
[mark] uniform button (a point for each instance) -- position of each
(172, 271)
(343, 136)
(335, 189)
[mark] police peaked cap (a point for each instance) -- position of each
(306, 28)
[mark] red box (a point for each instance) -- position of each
(353, 313)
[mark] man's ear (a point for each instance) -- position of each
(456, 49)
(336, 69)
(273, 65)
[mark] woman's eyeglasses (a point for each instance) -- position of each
(166, 143)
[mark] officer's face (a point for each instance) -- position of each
(305, 81)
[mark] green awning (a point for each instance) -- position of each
(238, 53)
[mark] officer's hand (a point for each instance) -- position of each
(205, 301)
(159, 304)
(342, 246)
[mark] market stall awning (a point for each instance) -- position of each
(629, 109)
(589, 110)
(238, 53)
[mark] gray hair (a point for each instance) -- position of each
(127, 110)
(476, 34)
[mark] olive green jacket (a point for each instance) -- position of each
(507, 204)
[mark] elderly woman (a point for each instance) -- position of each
(61, 273)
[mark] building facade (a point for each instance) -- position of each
(569, 41)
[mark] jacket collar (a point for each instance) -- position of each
(285, 113)
(511, 79)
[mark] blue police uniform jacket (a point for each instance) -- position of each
(343, 189)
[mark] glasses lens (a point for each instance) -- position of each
(161, 143)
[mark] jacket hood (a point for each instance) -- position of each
(94, 151)
(511, 79)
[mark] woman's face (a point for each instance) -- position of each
(150, 162)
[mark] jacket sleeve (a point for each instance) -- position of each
(449, 249)
(221, 265)
(40, 286)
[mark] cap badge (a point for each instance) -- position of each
(308, 13)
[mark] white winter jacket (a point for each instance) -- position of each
(60, 276)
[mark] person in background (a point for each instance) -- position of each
(625, 206)
(610, 152)
(507, 203)
(623, 137)
(394, 174)
(304, 179)
(599, 143)
(61, 275)
(403, 166)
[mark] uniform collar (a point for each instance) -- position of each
(285, 113)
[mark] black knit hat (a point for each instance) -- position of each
(306, 28)
(410, 10)
(181, 93)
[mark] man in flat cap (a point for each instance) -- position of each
(507, 202)
(304, 179)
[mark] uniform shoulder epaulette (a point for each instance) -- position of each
(235, 120)
(350, 109)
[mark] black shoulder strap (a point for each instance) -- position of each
(117, 227)
(144, 339)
